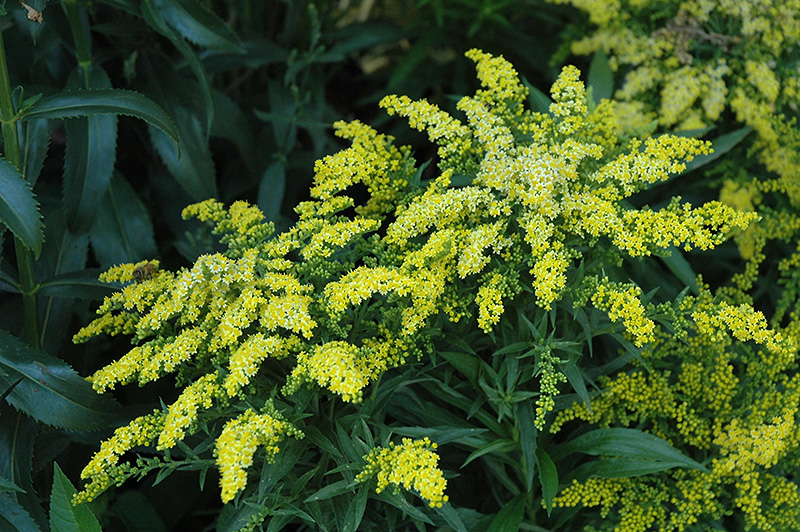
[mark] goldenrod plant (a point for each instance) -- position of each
(418, 320)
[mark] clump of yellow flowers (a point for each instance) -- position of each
(519, 224)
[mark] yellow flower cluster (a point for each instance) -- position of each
(412, 465)
(520, 204)
(238, 442)
(104, 469)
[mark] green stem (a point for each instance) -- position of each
(12, 155)
(79, 33)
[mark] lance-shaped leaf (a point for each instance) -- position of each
(19, 210)
(70, 104)
(36, 140)
(90, 155)
(123, 231)
(195, 23)
(64, 517)
(51, 391)
(628, 443)
(82, 284)
(17, 439)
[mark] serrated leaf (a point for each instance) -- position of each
(64, 517)
(17, 438)
(51, 391)
(14, 518)
(195, 23)
(190, 162)
(7, 485)
(548, 478)
(600, 77)
(71, 104)
(35, 143)
(90, 156)
(510, 515)
(154, 17)
(271, 190)
(122, 231)
(19, 210)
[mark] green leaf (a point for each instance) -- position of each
(71, 104)
(442, 434)
(548, 478)
(628, 443)
(271, 190)
(600, 77)
(90, 156)
(356, 508)
(230, 123)
(190, 162)
(510, 515)
(451, 517)
(622, 468)
(36, 140)
(17, 438)
(528, 439)
(331, 490)
(14, 518)
(19, 210)
(464, 362)
(198, 25)
(538, 100)
(122, 231)
(721, 145)
(64, 517)
(81, 285)
(154, 17)
(137, 513)
(494, 447)
(575, 378)
(676, 263)
(7, 485)
(51, 391)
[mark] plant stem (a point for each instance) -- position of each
(79, 34)
(12, 155)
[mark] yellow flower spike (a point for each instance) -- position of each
(246, 360)
(412, 465)
(623, 302)
(103, 470)
(336, 366)
(183, 412)
(238, 442)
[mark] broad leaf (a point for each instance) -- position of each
(137, 513)
(51, 391)
(19, 210)
(36, 141)
(64, 517)
(720, 145)
(71, 104)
